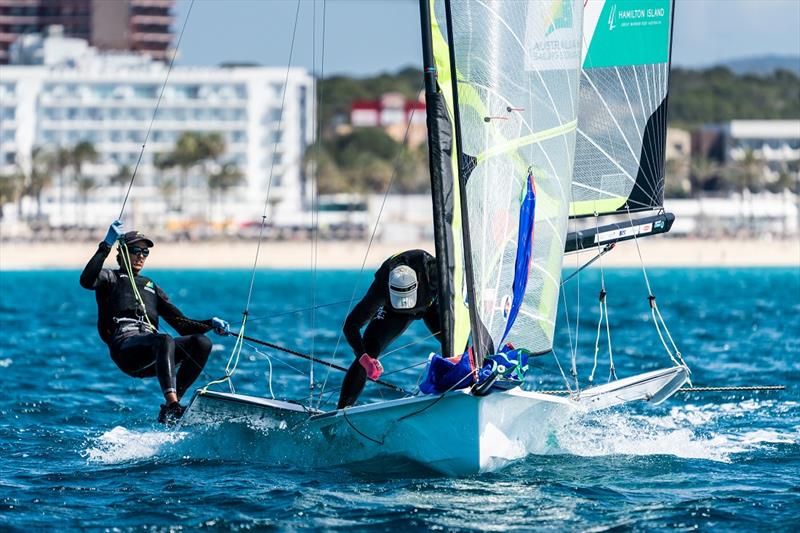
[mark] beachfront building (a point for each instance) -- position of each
(80, 94)
(401, 118)
(774, 142)
(141, 26)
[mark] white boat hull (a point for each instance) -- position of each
(454, 434)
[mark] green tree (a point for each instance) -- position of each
(191, 149)
(82, 153)
(40, 176)
(62, 161)
(702, 172)
(122, 176)
(226, 177)
(748, 172)
(676, 185)
(11, 186)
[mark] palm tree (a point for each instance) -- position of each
(10, 188)
(40, 176)
(122, 176)
(61, 162)
(82, 153)
(748, 174)
(191, 149)
(223, 179)
(702, 171)
(749, 171)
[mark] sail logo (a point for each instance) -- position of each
(611, 17)
(560, 17)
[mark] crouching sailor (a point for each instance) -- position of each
(128, 309)
(404, 290)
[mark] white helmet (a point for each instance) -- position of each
(403, 287)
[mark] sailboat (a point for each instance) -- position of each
(517, 96)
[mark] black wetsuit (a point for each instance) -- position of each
(138, 350)
(385, 322)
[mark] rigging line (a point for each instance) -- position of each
(315, 359)
(372, 237)
(654, 307)
(279, 359)
(605, 250)
(298, 310)
(563, 375)
(155, 110)
(272, 163)
(269, 361)
(315, 187)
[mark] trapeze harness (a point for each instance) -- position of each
(128, 311)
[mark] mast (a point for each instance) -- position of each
(480, 342)
(439, 164)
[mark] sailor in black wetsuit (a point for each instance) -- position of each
(127, 320)
(404, 290)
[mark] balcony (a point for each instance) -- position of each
(166, 4)
(141, 37)
(162, 20)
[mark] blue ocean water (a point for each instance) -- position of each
(80, 448)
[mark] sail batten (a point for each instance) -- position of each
(619, 161)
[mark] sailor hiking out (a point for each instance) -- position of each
(404, 290)
(129, 306)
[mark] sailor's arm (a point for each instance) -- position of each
(91, 275)
(361, 314)
(175, 318)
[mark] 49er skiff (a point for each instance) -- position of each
(537, 111)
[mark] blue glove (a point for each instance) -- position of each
(114, 233)
(221, 327)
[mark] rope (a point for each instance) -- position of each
(233, 360)
(654, 311)
(607, 249)
(155, 111)
(126, 259)
(298, 310)
(733, 389)
(315, 190)
(269, 379)
(603, 305)
(750, 388)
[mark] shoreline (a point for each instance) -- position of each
(339, 255)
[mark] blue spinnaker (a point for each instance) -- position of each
(522, 263)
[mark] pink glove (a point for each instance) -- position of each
(373, 367)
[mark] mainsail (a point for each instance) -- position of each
(622, 122)
(508, 75)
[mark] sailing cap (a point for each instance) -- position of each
(136, 236)
(403, 287)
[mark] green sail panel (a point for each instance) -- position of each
(517, 69)
(455, 299)
(622, 123)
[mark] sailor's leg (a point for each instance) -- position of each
(135, 354)
(353, 384)
(191, 354)
(165, 367)
(380, 332)
(148, 355)
(433, 321)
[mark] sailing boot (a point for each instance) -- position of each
(170, 414)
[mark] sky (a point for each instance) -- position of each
(364, 37)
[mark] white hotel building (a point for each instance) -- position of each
(74, 93)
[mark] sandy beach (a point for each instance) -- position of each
(666, 252)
